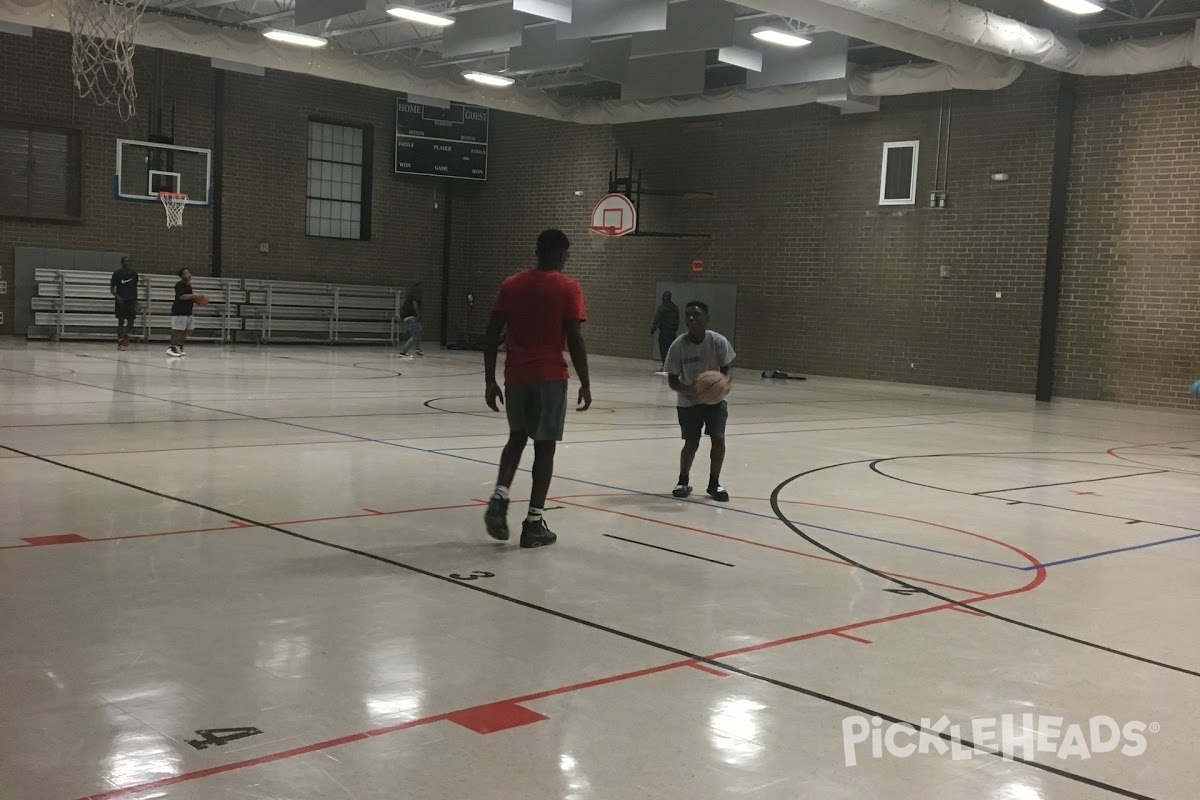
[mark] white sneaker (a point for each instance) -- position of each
(174, 352)
(404, 355)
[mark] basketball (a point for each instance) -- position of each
(201, 300)
(711, 387)
(1195, 390)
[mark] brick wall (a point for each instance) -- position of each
(829, 282)
(36, 88)
(265, 173)
(1130, 324)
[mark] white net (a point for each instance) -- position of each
(174, 204)
(102, 35)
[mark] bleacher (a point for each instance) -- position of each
(77, 304)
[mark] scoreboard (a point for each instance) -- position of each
(450, 141)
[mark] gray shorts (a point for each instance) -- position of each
(539, 410)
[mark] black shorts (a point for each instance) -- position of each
(126, 309)
(538, 410)
(695, 421)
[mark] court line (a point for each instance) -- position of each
(1041, 570)
(764, 545)
(1143, 546)
(1112, 451)
(461, 457)
(669, 550)
(239, 526)
(874, 466)
(1041, 573)
(675, 437)
(1070, 483)
(1036, 581)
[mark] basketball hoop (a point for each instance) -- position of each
(605, 230)
(174, 203)
(102, 46)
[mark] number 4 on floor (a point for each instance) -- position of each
(215, 737)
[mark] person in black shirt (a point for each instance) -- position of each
(411, 314)
(124, 288)
(666, 322)
(182, 320)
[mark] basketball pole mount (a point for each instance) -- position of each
(633, 189)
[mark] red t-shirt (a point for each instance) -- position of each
(537, 304)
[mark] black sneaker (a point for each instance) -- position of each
(718, 493)
(681, 491)
(496, 518)
(536, 534)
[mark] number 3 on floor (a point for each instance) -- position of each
(474, 576)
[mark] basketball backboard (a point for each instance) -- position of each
(146, 168)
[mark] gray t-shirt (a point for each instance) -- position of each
(687, 359)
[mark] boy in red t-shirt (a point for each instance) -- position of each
(542, 309)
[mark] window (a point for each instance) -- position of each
(339, 181)
(898, 180)
(40, 173)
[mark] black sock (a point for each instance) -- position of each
(683, 479)
(714, 480)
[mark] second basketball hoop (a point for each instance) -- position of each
(614, 215)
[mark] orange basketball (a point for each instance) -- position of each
(201, 300)
(711, 387)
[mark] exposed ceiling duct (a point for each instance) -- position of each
(970, 70)
(967, 25)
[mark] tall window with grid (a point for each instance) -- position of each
(339, 181)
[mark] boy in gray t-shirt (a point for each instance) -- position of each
(697, 351)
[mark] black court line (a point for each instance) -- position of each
(669, 550)
(922, 590)
(872, 462)
(875, 468)
(712, 662)
(1071, 483)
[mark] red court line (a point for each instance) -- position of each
(1112, 451)
(60, 538)
(1038, 578)
(752, 542)
(707, 668)
(238, 525)
(968, 611)
(851, 638)
(206, 447)
(355, 737)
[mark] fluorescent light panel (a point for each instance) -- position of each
(1077, 6)
(295, 38)
(776, 36)
(423, 17)
(488, 79)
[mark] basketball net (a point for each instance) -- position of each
(102, 35)
(174, 203)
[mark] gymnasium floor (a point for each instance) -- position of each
(288, 542)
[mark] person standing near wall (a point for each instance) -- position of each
(410, 313)
(666, 322)
(182, 319)
(124, 288)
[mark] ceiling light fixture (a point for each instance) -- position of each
(423, 17)
(776, 36)
(1077, 6)
(292, 37)
(488, 79)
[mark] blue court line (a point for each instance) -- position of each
(734, 509)
(1114, 550)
